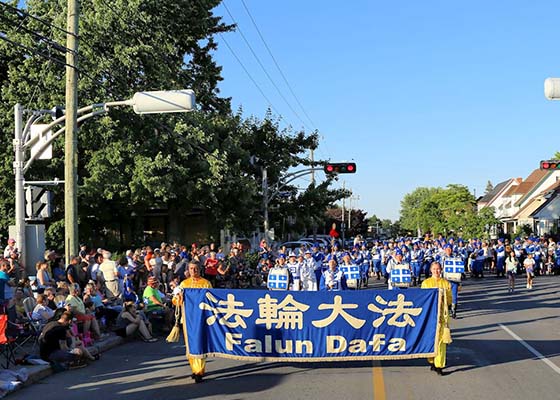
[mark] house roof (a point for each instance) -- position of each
(529, 183)
(555, 189)
(494, 192)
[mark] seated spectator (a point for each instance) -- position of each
(57, 345)
(93, 295)
(129, 294)
(50, 295)
(131, 322)
(155, 305)
(17, 303)
(42, 312)
(81, 313)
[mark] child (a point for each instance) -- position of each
(529, 265)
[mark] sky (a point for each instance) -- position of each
(416, 93)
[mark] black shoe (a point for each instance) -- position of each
(197, 378)
(440, 371)
(432, 368)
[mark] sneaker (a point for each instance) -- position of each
(197, 378)
(77, 365)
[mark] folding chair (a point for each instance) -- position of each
(6, 343)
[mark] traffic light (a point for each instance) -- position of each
(550, 165)
(340, 168)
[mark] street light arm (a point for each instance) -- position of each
(56, 135)
(293, 176)
(27, 128)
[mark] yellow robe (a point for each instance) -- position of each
(441, 283)
(198, 365)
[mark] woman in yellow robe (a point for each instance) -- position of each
(437, 281)
(194, 281)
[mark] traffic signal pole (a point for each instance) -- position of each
(19, 191)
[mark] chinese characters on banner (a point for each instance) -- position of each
(311, 326)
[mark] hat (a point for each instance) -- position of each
(281, 255)
(446, 246)
(11, 240)
(292, 254)
(308, 252)
(398, 252)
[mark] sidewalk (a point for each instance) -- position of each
(38, 372)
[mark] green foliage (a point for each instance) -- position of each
(449, 210)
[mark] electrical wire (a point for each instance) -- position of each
(26, 14)
(276, 63)
(240, 31)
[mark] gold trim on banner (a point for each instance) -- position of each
(318, 359)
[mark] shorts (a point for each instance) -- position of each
(511, 274)
(85, 317)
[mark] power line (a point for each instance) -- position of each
(276, 63)
(262, 66)
(249, 75)
(29, 49)
(57, 46)
(26, 14)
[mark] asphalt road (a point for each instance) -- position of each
(505, 347)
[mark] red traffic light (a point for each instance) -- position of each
(550, 165)
(340, 168)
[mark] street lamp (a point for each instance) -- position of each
(157, 102)
(552, 88)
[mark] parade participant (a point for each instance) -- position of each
(319, 257)
(333, 279)
(308, 278)
(397, 259)
(529, 265)
(500, 258)
(428, 258)
(194, 281)
(479, 259)
(365, 264)
(454, 283)
(385, 257)
(295, 270)
(537, 256)
(511, 268)
(416, 264)
(376, 259)
(437, 281)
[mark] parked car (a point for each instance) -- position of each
(296, 245)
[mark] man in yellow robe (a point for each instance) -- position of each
(194, 281)
(437, 281)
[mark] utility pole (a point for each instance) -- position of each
(71, 135)
(265, 200)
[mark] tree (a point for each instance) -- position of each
(489, 187)
(130, 164)
(447, 211)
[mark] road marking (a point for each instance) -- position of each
(532, 350)
(378, 382)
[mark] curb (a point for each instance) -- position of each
(39, 372)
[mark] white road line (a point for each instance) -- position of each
(531, 349)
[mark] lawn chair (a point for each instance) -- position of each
(6, 343)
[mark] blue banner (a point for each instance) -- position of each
(311, 326)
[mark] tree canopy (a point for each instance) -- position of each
(446, 211)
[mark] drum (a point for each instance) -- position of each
(278, 279)
(453, 268)
(401, 276)
(352, 274)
